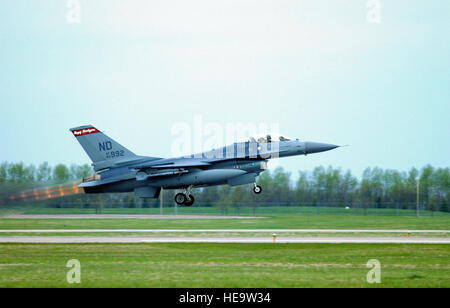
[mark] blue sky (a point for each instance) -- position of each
(134, 69)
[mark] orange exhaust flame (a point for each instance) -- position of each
(48, 192)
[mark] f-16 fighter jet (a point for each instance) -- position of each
(118, 170)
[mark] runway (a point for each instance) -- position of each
(128, 216)
(221, 231)
(247, 240)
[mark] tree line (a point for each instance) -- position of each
(21, 174)
(377, 187)
(380, 188)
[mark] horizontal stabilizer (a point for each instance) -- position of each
(97, 183)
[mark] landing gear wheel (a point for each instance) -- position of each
(190, 202)
(180, 198)
(257, 189)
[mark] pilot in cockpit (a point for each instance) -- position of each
(269, 138)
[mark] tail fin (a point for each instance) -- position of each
(102, 150)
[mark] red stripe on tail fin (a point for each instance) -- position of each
(85, 131)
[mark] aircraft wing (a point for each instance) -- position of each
(166, 168)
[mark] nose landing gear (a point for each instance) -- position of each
(257, 189)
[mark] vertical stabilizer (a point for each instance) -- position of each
(101, 149)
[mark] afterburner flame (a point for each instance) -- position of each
(46, 193)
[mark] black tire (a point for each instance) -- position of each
(257, 189)
(190, 202)
(180, 199)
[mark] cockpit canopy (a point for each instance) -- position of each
(268, 138)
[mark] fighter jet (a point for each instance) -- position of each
(118, 170)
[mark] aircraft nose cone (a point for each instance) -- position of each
(316, 147)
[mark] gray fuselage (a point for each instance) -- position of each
(236, 164)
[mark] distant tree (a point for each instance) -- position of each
(238, 194)
(318, 182)
(426, 184)
(303, 193)
(78, 172)
(347, 188)
(30, 174)
(17, 173)
(3, 172)
(208, 195)
(332, 182)
(130, 201)
(44, 172)
(266, 182)
(440, 190)
(224, 192)
(281, 186)
(410, 186)
(394, 187)
(61, 174)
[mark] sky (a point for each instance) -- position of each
(326, 71)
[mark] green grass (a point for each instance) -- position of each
(224, 265)
(233, 210)
(271, 222)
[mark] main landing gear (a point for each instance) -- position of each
(185, 198)
(257, 189)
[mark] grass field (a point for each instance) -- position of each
(230, 210)
(224, 265)
(271, 222)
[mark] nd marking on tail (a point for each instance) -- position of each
(101, 149)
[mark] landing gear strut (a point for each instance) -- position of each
(190, 202)
(257, 189)
(185, 198)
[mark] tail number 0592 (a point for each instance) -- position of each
(115, 154)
